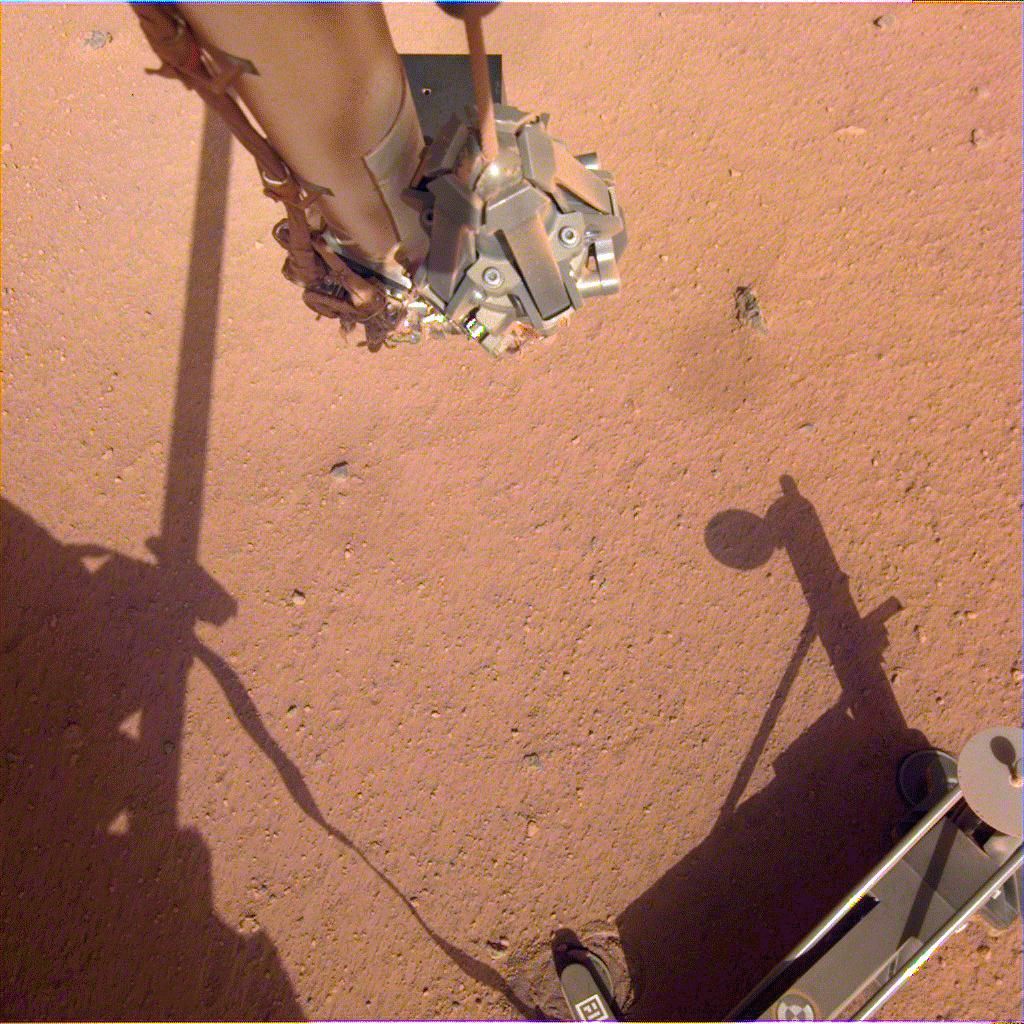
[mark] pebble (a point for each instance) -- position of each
(748, 309)
(532, 759)
(168, 746)
(850, 131)
(340, 471)
(980, 138)
(531, 829)
(97, 39)
(884, 21)
(807, 428)
(298, 598)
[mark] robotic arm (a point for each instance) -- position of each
(492, 230)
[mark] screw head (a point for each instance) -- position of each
(568, 236)
(492, 277)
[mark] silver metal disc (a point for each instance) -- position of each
(990, 770)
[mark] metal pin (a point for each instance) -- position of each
(481, 84)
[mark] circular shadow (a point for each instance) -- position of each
(739, 539)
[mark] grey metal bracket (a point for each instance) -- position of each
(441, 85)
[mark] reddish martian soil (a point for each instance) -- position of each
(278, 743)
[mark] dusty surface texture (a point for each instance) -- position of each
(355, 747)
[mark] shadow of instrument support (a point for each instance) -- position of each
(958, 850)
(961, 854)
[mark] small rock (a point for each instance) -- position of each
(981, 92)
(979, 138)
(532, 760)
(1017, 675)
(531, 829)
(292, 708)
(120, 825)
(168, 746)
(298, 598)
(498, 947)
(748, 309)
(340, 471)
(850, 131)
(807, 428)
(97, 39)
(884, 21)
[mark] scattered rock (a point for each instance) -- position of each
(980, 138)
(748, 309)
(532, 760)
(298, 599)
(120, 825)
(97, 39)
(339, 471)
(884, 21)
(249, 924)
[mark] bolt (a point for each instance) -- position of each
(492, 277)
(568, 236)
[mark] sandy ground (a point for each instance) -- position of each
(300, 746)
